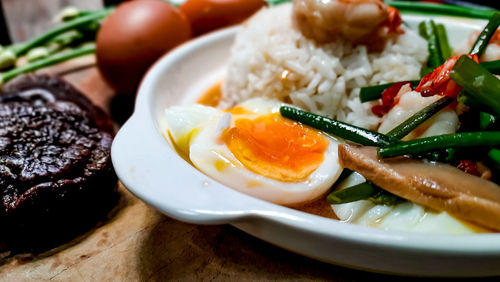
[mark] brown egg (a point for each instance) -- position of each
(207, 15)
(134, 36)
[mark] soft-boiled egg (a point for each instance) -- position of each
(253, 149)
(406, 215)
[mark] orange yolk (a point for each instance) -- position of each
(276, 147)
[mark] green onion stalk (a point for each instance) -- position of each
(48, 48)
(478, 49)
(75, 24)
(440, 142)
(478, 83)
(428, 30)
(49, 61)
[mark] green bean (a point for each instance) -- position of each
(383, 197)
(470, 101)
(427, 29)
(457, 140)
(484, 37)
(493, 66)
(343, 130)
(486, 121)
(355, 193)
(371, 93)
(483, 86)
(363, 191)
(442, 39)
(447, 155)
(441, 9)
(70, 25)
(494, 157)
(52, 60)
(420, 117)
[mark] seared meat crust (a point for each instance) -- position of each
(55, 160)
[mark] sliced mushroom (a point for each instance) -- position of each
(435, 185)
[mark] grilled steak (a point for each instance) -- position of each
(56, 174)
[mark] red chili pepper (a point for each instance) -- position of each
(388, 98)
(380, 110)
(469, 167)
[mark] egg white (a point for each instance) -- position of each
(198, 129)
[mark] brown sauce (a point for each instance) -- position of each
(212, 96)
(318, 207)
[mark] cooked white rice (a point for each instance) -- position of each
(271, 59)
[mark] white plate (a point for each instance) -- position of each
(151, 169)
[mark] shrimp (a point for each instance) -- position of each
(353, 20)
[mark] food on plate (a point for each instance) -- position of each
(390, 213)
(271, 58)
(432, 184)
(135, 35)
(252, 149)
(356, 21)
(56, 175)
(208, 15)
(407, 142)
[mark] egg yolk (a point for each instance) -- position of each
(276, 147)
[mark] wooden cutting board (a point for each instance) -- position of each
(138, 243)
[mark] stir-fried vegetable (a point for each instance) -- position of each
(493, 66)
(484, 37)
(367, 189)
(364, 190)
(457, 140)
(420, 117)
(354, 193)
(480, 84)
(486, 121)
(494, 157)
(445, 148)
(444, 44)
(371, 93)
(343, 130)
(427, 30)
